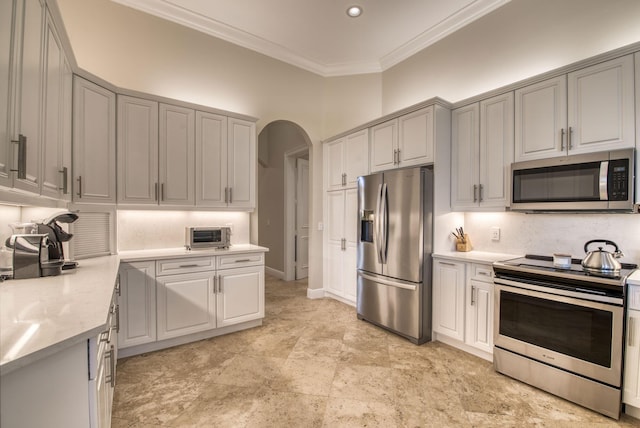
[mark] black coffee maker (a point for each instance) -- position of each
(57, 236)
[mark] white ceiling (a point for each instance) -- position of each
(317, 35)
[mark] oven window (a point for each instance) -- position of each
(573, 330)
(206, 236)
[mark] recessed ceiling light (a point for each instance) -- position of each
(354, 11)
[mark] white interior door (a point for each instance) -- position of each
(302, 218)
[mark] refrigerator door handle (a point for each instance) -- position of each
(378, 221)
(391, 283)
(385, 223)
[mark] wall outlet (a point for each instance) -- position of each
(494, 233)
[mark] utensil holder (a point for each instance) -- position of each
(463, 245)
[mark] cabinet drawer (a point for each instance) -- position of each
(634, 297)
(482, 272)
(184, 265)
(240, 260)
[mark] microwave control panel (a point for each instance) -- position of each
(618, 188)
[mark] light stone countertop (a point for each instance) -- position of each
(170, 253)
(41, 316)
(475, 256)
(634, 278)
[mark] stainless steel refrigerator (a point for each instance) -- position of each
(395, 240)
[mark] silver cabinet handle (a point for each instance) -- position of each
(226, 195)
(117, 318)
(188, 266)
(475, 193)
(473, 299)
(395, 157)
(220, 288)
(562, 140)
(230, 195)
(480, 193)
(569, 144)
(79, 180)
(215, 284)
(64, 171)
(156, 191)
(22, 156)
(447, 264)
(484, 273)
(118, 289)
(162, 192)
(398, 161)
(111, 378)
(242, 260)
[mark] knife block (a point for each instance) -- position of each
(465, 245)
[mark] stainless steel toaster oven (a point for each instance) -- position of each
(204, 237)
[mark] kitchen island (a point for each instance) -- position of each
(58, 338)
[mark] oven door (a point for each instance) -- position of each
(568, 332)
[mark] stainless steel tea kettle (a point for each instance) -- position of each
(600, 261)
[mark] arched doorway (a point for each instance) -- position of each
(283, 217)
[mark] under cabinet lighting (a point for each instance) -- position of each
(354, 11)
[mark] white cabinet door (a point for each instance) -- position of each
(30, 106)
(415, 137)
(334, 226)
(479, 315)
(185, 304)
(137, 303)
(176, 155)
(240, 296)
(356, 157)
(137, 151)
(94, 143)
(7, 75)
(384, 146)
(465, 155)
(540, 122)
(448, 298)
(601, 111)
(496, 150)
(67, 131)
(334, 160)
(241, 167)
(350, 252)
(211, 159)
(345, 159)
(637, 67)
(631, 382)
(52, 153)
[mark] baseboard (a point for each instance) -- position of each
(275, 273)
(632, 411)
(462, 346)
(340, 298)
(315, 293)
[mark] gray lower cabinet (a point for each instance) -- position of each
(172, 301)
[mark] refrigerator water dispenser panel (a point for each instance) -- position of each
(366, 226)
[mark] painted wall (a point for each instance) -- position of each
(519, 40)
(279, 137)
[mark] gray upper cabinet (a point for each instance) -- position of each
(176, 155)
(588, 110)
(94, 143)
(7, 74)
(28, 105)
(211, 159)
(137, 151)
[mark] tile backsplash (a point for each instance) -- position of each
(551, 233)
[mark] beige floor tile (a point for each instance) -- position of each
(349, 413)
(313, 363)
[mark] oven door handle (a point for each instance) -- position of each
(549, 293)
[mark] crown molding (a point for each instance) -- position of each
(212, 27)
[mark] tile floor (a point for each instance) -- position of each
(314, 364)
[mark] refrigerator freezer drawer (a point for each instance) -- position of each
(395, 305)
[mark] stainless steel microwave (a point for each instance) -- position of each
(601, 181)
(207, 237)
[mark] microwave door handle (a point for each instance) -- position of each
(604, 175)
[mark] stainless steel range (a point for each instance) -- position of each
(561, 330)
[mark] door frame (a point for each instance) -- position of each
(290, 157)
